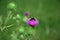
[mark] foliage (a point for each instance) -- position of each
(13, 24)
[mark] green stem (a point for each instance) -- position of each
(9, 16)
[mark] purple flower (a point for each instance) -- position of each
(32, 22)
(27, 13)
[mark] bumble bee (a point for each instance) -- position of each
(32, 22)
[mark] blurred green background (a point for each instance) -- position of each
(46, 11)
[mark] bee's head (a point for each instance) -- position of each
(32, 18)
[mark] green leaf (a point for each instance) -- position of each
(21, 36)
(24, 19)
(11, 6)
(21, 30)
(18, 16)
